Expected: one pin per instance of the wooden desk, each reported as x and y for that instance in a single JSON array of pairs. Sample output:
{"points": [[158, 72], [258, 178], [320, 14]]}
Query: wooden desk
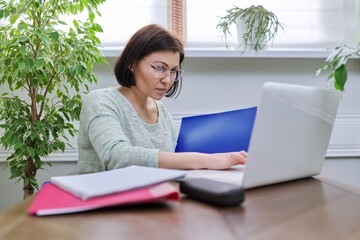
{"points": [[303, 209]]}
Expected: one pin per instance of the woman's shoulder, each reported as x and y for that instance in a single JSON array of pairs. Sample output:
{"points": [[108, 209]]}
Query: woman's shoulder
{"points": [[101, 92], [102, 95], [103, 98]]}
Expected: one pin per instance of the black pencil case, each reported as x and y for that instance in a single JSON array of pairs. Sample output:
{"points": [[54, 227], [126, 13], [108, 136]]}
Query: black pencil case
{"points": [[213, 192]]}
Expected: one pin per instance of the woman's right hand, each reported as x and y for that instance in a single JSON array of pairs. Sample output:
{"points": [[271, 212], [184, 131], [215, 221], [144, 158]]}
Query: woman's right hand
{"points": [[225, 160], [194, 160]]}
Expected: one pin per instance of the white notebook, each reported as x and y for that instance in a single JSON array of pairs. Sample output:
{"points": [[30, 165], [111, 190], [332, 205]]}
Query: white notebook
{"points": [[91, 185]]}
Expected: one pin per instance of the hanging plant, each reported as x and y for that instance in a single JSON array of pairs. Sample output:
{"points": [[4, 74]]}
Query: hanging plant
{"points": [[259, 26]]}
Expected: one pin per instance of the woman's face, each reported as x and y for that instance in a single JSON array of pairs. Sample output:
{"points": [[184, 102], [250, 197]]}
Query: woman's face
{"points": [[148, 82]]}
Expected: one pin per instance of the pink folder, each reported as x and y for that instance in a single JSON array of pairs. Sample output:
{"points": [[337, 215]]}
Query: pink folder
{"points": [[52, 200]]}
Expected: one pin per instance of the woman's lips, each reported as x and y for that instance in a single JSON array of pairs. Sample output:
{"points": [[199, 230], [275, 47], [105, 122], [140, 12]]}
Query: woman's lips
{"points": [[162, 90]]}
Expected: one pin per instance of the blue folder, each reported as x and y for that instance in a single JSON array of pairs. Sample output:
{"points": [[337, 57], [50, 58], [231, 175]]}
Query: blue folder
{"points": [[217, 133]]}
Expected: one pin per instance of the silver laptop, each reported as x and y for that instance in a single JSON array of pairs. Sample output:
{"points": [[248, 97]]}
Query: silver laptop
{"points": [[290, 137]]}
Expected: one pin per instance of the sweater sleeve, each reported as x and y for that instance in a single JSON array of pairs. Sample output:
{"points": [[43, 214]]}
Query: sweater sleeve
{"points": [[104, 127], [114, 149]]}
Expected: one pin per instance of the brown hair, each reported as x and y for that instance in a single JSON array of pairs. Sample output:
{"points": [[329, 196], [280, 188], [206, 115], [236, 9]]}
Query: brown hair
{"points": [[146, 40]]}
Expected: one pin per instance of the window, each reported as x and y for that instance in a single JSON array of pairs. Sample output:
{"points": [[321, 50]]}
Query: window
{"points": [[177, 17], [308, 23], [120, 19]]}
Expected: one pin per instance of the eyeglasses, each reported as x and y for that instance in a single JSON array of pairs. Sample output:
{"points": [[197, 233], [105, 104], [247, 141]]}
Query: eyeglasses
{"points": [[161, 71]]}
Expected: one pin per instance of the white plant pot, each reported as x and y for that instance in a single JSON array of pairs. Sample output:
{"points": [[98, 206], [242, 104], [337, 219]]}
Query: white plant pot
{"points": [[241, 29]]}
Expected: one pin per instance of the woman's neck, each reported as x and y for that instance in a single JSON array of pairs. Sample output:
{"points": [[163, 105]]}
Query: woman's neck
{"points": [[144, 106]]}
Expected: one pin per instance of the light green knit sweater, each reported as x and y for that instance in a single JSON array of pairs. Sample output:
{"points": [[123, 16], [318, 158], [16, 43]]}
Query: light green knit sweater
{"points": [[111, 134]]}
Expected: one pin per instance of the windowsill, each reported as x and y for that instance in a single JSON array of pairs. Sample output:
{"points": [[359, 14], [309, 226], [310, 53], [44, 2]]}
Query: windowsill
{"points": [[112, 52], [267, 53]]}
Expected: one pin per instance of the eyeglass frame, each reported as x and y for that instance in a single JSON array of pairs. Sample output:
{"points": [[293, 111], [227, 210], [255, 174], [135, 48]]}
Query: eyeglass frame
{"points": [[165, 71]]}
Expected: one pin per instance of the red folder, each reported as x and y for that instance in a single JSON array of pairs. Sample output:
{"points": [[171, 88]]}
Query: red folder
{"points": [[52, 200]]}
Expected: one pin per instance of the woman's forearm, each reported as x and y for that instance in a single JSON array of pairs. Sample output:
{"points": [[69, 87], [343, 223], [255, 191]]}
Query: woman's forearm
{"points": [[192, 160]]}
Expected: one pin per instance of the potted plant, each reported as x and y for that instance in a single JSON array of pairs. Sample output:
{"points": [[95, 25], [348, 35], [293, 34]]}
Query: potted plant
{"points": [[256, 26], [45, 69], [336, 65]]}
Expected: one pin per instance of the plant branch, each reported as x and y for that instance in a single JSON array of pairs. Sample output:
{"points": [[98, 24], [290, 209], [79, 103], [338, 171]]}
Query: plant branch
{"points": [[45, 95], [336, 65], [24, 102]]}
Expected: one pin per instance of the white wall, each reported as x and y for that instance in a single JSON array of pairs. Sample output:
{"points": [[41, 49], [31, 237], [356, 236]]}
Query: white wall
{"points": [[220, 84]]}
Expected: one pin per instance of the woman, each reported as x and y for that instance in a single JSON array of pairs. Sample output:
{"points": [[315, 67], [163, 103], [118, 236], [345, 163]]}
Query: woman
{"points": [[129, 125]]}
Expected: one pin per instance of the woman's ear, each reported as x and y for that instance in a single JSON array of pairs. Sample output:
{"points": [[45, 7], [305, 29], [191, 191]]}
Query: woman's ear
{"points": [[131, 67]]}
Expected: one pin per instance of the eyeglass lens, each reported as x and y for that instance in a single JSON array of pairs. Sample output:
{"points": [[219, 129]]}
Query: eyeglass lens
{"points": [[175, 75]]}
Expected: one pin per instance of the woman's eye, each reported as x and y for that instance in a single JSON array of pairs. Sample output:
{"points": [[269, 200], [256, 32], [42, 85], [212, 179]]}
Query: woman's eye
{"points": [[160, 68]]}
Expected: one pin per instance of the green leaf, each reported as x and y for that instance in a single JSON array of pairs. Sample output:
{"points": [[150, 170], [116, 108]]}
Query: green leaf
{"points": [[22, 65], [92, 16], [26, 181], [18, 145], [339, 61], [39, 98], [31, 152], [98, 28], [76, 24], [7, 137], [33, 135], [22, 26], [340, 76], [55, 36], [34, 183], [23, 49], [22, 39]]}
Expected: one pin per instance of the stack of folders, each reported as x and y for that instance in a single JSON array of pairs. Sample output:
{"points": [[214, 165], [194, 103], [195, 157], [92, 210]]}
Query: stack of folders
{"points": [[125, 186], [209, 133]]}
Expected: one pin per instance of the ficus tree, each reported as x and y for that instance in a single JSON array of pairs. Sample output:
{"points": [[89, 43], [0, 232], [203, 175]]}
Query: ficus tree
{"points": [[45, 66]]}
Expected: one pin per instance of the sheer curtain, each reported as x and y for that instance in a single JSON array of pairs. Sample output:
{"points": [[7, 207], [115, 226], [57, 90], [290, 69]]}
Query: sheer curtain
{"points": [[308, 23], [121, 18]]}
